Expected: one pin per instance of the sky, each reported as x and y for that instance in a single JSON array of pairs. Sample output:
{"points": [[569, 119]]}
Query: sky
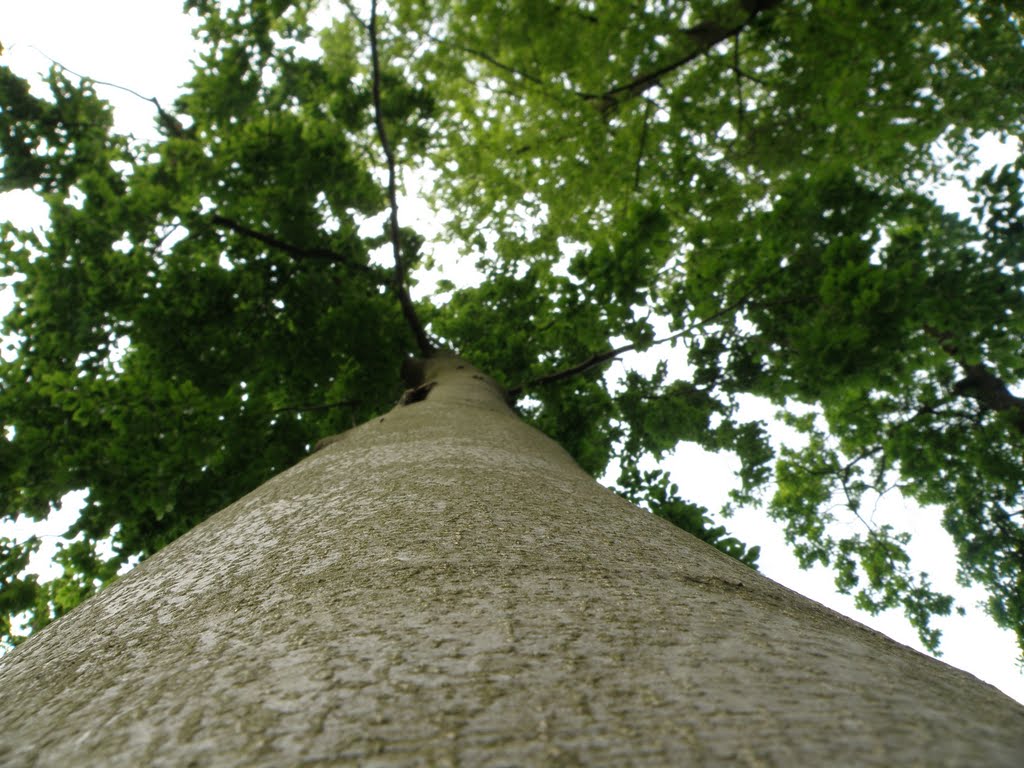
{"points": [[146, 46]]}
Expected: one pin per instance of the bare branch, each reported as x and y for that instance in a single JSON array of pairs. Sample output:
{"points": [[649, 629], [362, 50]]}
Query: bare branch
{"points": [[980, 384], [297, 252], [991, 393], [594, 360], [643, 146], [352, 10], [169, 121], [739, 85], [408, 310], [706, 35], [603, 357], [319, 407], [484, 56], [741, 73]]}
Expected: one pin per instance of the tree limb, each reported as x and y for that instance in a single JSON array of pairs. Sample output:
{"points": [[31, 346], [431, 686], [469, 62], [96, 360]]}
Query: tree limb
{"points": [[352, 10], [484, 56], [706, 35], [643, 147], [979, 383], [318, 407], [586, 365], [991, 392], [741, 73], [167, 120], [426, 347], [739, 85], [295, 251]]}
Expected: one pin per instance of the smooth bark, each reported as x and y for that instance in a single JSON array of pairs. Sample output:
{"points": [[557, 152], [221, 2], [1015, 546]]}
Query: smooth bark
{"points": [[444, 586]]}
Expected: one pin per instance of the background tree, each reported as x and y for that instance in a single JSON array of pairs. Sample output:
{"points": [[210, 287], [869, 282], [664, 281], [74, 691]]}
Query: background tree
{"points": [[744, 179]]}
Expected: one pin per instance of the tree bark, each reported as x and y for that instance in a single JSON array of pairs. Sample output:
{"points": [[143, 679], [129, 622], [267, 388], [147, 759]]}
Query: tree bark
{"points": [[444, 586]]}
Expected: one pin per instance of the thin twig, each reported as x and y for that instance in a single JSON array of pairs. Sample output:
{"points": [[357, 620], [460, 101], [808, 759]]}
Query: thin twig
{"points": [[320, 407], [586, 365], [707, 36], [753, 78], [488, 58], [86, 77], [642, 148], [603, 357], [739, 86], [408, 310], [352, 10], [980, 384], [169, 121], [298, 252]]}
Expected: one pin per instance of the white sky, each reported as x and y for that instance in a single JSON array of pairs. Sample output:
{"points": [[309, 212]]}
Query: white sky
{"points": [[146, 46]]}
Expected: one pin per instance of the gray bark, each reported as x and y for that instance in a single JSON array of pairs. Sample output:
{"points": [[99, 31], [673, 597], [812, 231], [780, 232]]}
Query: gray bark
{"points": [[444, 586]]}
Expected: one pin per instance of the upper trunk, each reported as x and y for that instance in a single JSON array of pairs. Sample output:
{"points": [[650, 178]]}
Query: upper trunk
{"points": [[444, 585]]}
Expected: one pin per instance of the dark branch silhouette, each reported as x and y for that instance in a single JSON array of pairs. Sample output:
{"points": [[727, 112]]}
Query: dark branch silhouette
{"points": [[322, 254], [318, 407], [168, 121], [611, 354], [426, 347], [355, 15], [594, 360], [739, 85], [742, 73], [705, 35], [643, 146], [991, 392], [980, 384], [484, 56]]}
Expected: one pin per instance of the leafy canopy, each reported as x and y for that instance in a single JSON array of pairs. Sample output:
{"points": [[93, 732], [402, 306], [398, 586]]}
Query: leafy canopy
{"points": [[736, 185]]}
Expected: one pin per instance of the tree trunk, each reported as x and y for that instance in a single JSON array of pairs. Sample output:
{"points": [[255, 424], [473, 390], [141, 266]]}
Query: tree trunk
{"points": [[444, 586]]}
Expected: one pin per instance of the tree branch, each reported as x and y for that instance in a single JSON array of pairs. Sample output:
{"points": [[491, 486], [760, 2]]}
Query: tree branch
{"points": [[295, 251], [991, 392], [592, 361], [168, 121], [706, 35], [979, 383], [484, 56], [739, 85], [603, 357], [643, 147], [352, 10], [741, 73], [408, 310], [319, 407]]}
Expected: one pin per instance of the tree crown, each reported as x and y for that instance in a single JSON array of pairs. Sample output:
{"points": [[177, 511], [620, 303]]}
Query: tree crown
{"points": [[740, 187]]}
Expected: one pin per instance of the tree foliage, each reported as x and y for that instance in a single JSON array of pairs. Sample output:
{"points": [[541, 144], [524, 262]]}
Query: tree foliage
{"points": [[740, 187]]}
